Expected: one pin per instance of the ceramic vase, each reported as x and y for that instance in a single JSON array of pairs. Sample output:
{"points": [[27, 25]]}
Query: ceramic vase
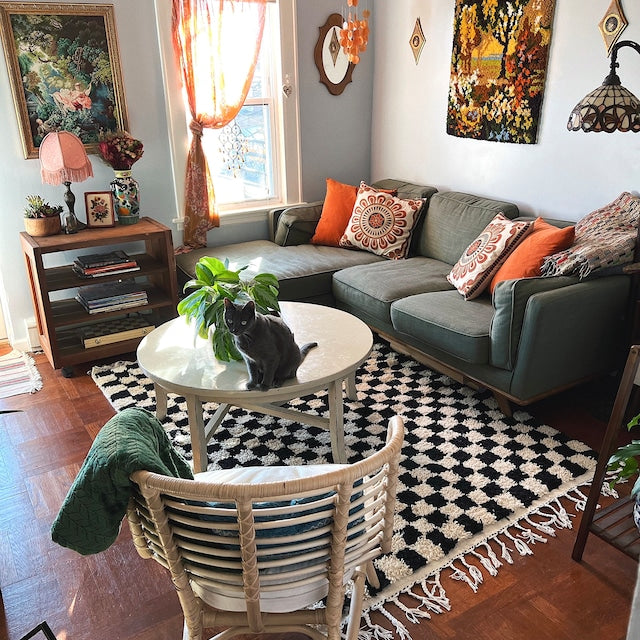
{"points": [[126, 197]]}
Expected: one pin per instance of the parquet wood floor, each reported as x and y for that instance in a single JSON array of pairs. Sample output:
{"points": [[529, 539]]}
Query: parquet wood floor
{"points": [[116, 595]]}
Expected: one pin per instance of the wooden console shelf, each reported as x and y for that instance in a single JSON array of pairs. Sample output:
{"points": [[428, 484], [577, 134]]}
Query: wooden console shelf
{"points": [[60, 318]]}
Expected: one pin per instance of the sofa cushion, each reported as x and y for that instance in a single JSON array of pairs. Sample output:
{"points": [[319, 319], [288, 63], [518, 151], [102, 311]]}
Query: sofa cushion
{"points": [[304, 271], [526, 259], [381, 223], [453, 220], [336, 211], [373, 287], [481, 259], [444, 320], [510, 300]]}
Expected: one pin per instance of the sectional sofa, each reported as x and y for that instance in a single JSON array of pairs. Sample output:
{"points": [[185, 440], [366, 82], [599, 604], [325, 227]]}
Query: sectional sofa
{"points": [[531, 338]]}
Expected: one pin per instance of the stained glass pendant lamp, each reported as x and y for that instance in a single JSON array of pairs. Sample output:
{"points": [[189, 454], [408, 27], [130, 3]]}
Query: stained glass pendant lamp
{"points": [[63, 160], [610, 107]]}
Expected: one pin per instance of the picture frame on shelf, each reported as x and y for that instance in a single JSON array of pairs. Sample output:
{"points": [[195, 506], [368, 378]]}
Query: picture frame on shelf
{"points": [[64, 70], [99, 207]]}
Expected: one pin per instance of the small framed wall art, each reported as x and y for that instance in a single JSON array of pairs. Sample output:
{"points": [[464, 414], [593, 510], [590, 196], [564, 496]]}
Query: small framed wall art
{"points": [[99, 206], [612, 25]]}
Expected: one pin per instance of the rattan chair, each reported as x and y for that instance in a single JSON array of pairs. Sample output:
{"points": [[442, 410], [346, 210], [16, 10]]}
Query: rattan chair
{"points": [[254, 550]]}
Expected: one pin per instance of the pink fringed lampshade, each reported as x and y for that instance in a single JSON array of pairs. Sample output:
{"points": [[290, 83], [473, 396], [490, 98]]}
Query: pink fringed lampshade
{"points": [[63, 160]]}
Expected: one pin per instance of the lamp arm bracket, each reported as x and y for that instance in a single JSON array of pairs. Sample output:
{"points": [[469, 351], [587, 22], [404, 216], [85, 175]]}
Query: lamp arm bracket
{"points": [[616, 47]]}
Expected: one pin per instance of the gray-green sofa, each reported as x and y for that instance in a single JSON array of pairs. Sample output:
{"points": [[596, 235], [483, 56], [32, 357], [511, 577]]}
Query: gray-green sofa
{"points": [[532, 338]]}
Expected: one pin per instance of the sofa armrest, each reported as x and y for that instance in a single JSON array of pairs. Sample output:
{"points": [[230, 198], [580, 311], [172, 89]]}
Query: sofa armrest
{"points": [[510, 300], [572, 334], [294, 225]]}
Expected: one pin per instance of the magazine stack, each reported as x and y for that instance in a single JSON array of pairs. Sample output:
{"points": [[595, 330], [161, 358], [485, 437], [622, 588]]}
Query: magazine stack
{"points": [[104, 264], [112, 296]]}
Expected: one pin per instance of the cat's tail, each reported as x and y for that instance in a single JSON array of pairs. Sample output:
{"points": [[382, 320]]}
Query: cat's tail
{"points": [[305, 348]]}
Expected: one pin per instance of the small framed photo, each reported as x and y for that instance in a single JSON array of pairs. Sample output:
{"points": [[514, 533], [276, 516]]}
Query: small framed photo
{"points": [[99, 205]]}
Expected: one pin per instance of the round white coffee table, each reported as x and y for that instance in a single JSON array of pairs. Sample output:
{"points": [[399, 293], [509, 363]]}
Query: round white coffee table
{"points": [[179, 362]]}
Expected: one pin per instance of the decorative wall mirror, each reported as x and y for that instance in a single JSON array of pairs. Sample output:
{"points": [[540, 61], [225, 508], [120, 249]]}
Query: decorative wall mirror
{"points": [[332, 62]]}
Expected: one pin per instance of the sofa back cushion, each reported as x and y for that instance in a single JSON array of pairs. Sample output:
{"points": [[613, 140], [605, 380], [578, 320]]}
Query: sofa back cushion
{"points": [[454, 220]]}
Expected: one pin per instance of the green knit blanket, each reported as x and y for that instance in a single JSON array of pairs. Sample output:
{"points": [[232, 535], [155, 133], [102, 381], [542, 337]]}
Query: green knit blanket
{"points": [[91, 514]]}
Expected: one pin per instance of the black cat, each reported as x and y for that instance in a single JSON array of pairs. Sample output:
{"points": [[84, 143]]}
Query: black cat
{"points": [[266, 343]]}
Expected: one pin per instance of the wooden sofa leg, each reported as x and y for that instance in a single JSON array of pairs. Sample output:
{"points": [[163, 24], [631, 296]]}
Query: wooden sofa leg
{"points": [[503, 404]]}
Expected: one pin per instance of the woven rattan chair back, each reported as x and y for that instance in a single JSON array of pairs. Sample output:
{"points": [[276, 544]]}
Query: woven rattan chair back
{"points": [[258, 557]]}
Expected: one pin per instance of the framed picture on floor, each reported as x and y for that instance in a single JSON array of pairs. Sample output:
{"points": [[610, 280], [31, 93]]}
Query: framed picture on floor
{"points": [[64, 70], [99, 206]]}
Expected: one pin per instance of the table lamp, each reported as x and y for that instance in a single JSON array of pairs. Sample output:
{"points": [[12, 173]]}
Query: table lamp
{"points": [[610, 107], [63, 159]]}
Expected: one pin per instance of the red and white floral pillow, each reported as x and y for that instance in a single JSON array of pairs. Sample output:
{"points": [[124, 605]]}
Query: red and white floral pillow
{"points": [[381, 223], [481, 259]]}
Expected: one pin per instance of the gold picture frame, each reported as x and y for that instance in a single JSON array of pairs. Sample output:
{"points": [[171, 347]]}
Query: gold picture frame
{"points": [[64, 70]]}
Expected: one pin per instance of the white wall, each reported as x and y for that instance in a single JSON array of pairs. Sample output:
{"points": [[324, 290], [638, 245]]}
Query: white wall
{"points": [[565, 175]]}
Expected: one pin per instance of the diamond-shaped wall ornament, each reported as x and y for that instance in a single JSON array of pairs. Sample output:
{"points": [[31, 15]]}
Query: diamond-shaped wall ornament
{"points": [[612, 25], [417, 40]]}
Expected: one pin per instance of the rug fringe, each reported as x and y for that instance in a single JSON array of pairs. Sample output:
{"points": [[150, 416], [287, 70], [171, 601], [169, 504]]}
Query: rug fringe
{"points": [[535, 527]]}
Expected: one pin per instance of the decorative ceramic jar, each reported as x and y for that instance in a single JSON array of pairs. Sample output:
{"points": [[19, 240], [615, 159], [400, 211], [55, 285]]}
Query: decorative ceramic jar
{"points": [[39, 227], [126, 197]]}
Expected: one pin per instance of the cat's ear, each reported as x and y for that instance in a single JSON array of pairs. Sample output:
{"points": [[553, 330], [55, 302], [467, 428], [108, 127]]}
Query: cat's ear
{"points": [[250, 306], [227, 303]]}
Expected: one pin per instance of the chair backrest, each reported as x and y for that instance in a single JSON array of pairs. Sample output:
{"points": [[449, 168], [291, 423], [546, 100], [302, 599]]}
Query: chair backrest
{"points": [[268, 539]]}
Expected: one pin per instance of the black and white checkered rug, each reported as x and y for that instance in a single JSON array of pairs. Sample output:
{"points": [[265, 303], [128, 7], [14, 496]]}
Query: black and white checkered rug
{"points": [[476, 487]]}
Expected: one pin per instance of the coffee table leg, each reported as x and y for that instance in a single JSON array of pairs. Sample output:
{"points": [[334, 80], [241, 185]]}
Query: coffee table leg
{"points": [[336, 422], [161, 401], [196, 430], [350, 382]]}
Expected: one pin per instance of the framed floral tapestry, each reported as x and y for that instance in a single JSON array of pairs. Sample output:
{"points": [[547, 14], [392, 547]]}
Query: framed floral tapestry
{"points": [[498, 69], [64, 70]]}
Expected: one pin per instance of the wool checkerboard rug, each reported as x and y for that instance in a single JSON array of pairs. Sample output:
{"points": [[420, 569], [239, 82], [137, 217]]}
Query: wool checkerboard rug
{"points": [[476, 488]]}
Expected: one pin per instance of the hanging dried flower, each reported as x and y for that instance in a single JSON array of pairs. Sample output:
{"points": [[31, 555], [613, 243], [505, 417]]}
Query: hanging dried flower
{"points": [[120, 150]]}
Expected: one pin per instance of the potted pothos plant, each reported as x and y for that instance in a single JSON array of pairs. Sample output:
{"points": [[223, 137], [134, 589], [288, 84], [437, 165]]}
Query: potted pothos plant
{"points": [[204, 306], [623, 464]]}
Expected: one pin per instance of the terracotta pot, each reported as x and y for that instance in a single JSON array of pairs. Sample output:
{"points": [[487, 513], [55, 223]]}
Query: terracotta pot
{"points": [[42, 226]]}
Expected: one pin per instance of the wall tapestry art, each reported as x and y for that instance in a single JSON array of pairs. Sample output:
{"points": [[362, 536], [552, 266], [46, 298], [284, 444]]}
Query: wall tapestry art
{"points": [[498, 68]]}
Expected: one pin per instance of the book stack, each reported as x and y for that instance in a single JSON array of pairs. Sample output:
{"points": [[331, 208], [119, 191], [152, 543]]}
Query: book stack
{"points": [[114, 296], [103, 264]]}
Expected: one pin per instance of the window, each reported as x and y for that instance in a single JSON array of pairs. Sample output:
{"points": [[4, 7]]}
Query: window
{"points": [[244, 156], [265, 131]]}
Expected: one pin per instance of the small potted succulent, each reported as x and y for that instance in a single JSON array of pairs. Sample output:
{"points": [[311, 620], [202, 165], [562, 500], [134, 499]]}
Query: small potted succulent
{"points": [[40, 218], [623, 464], [205, 304]]}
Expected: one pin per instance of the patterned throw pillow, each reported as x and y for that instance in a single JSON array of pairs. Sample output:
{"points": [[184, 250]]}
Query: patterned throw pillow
{"points": [[604, 238], [381, 223], [482, 258]]}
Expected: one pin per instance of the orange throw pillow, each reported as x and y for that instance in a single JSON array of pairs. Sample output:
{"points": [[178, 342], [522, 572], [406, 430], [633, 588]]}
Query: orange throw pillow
{"points": [[527, 257], [336, 212]]}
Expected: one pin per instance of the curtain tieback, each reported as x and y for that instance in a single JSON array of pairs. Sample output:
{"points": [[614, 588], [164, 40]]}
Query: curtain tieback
{"points": [[196, 128]]}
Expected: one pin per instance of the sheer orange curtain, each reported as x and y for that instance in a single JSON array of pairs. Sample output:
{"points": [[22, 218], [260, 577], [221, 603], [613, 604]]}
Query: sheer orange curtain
{"points": [[217, 43]]}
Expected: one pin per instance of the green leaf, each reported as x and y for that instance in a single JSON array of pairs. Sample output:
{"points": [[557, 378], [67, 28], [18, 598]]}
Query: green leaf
{"points": [[267, 279], [633, 422]]}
